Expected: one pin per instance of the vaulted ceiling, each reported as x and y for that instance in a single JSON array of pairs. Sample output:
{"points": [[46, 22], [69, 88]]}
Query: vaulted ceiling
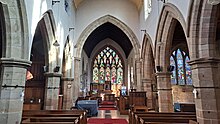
{"points": [[136, 2]]}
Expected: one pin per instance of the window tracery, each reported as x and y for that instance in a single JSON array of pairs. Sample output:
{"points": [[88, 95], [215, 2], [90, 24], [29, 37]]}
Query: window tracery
{"points": [[108, 66], [181, 74]]}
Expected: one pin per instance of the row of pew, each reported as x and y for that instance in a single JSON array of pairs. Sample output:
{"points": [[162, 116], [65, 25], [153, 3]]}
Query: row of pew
{"points": [[54, 117], [140, 117]]}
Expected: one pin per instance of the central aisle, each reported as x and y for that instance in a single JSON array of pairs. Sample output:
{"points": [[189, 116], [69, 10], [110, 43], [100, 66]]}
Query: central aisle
{"points": [[109, 114]]}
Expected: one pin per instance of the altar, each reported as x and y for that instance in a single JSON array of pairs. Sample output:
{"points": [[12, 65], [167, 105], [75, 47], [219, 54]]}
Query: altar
{"points": [[90, 105]]}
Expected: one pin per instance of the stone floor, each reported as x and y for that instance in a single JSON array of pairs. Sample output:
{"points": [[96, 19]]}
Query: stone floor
{"points": [[110, 114]]}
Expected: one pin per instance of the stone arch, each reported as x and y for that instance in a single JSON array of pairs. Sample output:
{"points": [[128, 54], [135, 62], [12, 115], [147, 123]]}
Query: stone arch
{"points": [[14, 59], [169, 16], [147, 55], [48, 29], [3, 29], [108, 18], [66, 57], [88, 30], [20, 27], [67, 80], [205, 60], [202, 29], [148, 69]]}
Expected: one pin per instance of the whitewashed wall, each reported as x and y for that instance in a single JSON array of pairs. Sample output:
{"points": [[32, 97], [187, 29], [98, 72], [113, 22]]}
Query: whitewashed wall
{"points": [[63, 19], [151, 23], [90, 10]]}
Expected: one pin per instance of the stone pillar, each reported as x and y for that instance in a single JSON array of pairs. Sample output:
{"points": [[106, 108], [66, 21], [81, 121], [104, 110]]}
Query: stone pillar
{"points": [[147, 86], [206, 84], [13, 77], [138, 75], [164, 92], [52, 90], [76, 79], [67, 92]]}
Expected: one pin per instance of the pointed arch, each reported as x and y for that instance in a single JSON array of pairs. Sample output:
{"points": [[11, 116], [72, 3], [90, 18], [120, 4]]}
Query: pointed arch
{"points": [[170, 15], [202, 31], [48, 28], [148, 69], [147, 56], [21, 28], [67, 54], [2, 30], [108, 18]]}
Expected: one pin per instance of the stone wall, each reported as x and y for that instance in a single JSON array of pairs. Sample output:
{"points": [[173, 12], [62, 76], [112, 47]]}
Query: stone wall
{"points": [[182, 94]]}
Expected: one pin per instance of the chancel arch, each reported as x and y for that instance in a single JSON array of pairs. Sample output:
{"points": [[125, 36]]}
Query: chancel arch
{"points": [[126, 39], [108, 65]]}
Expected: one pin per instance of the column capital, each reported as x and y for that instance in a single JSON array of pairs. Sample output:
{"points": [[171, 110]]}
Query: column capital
{"points": [[204, 61], [146, 80], [51, 74], [77, 58], [14, 62], [67, 79], [163, 74]]}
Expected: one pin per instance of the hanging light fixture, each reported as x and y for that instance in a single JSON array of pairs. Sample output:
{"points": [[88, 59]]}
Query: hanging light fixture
{"points": [[56, 44]]}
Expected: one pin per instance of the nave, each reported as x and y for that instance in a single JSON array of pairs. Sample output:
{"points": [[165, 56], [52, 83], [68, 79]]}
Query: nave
{"points": [[108, 116]]}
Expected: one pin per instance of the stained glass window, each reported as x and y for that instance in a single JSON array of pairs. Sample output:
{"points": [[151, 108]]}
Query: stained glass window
{"points": [[188, 72], [181, 75], [108, 67], [173, 76]]}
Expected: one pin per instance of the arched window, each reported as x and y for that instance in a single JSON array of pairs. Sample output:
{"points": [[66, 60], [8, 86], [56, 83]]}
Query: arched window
{"points": [[107, 66], [181, 74], [147, 8]]}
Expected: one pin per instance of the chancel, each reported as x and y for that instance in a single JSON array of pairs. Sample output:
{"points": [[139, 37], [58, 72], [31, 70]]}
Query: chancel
{"points": [[109, 61]]}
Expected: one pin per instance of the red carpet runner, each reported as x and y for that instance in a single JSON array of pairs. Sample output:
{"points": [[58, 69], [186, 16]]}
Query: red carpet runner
{"points": [[107, 121]]}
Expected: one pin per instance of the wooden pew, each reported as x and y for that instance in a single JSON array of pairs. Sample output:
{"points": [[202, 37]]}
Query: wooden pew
{"points": [[76, 117], [134, 117], [56, 113], [161, 120], [187, 107], [193, 122], [168, 115], [50, 113], [74, 120]]}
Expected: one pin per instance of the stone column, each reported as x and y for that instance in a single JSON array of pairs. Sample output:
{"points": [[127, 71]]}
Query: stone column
{"points": [[76, 79], [205, 76], [67, 92], [147, 86], [164, 92], [52, 90], [138, 75], [13, 77]]}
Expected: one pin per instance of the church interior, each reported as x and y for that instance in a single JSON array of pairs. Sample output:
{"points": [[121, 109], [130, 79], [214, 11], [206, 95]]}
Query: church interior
{"points": [[109, 61]]}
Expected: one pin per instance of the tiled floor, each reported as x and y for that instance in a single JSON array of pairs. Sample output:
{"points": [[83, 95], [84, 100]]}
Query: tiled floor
{"points": [[110, 114]]}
